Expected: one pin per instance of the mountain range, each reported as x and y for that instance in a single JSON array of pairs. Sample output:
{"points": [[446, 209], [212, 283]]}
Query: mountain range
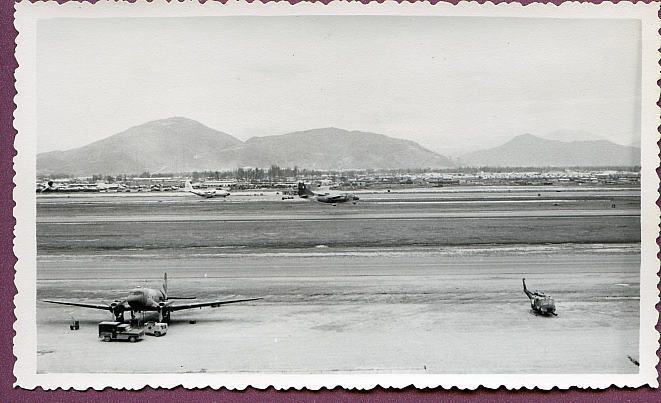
{"points": [[183, 145], [528, 150]]}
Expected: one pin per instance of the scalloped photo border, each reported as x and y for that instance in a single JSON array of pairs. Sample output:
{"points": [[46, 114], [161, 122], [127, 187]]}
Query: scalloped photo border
{"points": [[25, 341]]}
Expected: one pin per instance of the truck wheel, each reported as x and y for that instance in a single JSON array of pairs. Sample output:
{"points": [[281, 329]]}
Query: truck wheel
{"points": [[132, 339], [106, 338], [157, 334]]}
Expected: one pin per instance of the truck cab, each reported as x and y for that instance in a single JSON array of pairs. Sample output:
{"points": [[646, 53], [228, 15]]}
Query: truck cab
{"points": [[109, 331]]}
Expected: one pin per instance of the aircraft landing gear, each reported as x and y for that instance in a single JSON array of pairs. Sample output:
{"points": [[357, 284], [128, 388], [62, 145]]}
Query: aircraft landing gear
{"points": [[164, 316]]}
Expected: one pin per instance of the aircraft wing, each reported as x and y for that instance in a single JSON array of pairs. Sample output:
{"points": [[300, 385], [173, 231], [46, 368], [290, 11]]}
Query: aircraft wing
{"points": [[212, 304], [105, 307]]}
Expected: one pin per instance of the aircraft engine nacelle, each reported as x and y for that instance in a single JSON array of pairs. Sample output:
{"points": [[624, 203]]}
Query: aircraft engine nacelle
{"points": [[116, 306], [117, 309]]}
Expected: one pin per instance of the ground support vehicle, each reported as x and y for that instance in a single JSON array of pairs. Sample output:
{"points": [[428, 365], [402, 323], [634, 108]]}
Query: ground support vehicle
{"points": [[109, 331], [156, 328]]}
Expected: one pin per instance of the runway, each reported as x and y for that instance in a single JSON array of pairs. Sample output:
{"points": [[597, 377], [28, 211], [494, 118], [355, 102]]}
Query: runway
{"points": [[348, 216], [408, 312], [380, 287]]}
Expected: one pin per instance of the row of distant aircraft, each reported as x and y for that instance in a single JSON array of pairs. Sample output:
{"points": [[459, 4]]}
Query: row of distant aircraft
{"points": [[323, 195], [304, 192], [50, 186]]}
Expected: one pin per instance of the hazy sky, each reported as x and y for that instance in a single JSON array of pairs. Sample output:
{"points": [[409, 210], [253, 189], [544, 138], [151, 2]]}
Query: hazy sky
{"points": [[448, 83]]}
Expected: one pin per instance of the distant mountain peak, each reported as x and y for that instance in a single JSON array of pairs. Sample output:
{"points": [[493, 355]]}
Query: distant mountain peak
{"points": [[173, 144], [534, 151], [172, 121], [324, 131], [334, 148], [569, 136], [175, 120], [171, 126], [527, 138]]}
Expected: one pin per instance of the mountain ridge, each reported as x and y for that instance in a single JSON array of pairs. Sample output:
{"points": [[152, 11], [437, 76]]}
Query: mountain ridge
{"points": [[334, 148], [179, 144]]}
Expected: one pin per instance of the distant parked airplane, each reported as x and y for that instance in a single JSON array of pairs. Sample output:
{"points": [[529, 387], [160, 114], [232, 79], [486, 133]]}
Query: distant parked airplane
{"points": [[208, 193], [47, 187], [149, 300], [304, 192]]}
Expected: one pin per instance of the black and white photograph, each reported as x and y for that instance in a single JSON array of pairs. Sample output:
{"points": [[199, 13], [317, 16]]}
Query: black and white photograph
{"points": [[283, 195]]}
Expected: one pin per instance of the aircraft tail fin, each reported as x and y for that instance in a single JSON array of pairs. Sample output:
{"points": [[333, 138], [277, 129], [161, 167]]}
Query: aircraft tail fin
{"points": [[304, 190], [188, 186]]}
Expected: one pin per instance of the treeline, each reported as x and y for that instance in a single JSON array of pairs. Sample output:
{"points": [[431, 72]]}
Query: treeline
{"points": [[277, 173], [250, 174]]}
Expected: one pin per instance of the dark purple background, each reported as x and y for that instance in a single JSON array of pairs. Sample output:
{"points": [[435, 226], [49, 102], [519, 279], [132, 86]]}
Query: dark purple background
{"points": [[7, 291]]}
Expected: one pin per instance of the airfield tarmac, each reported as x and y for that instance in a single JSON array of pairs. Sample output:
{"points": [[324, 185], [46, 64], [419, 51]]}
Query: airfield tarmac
{"points": [[398, 283]]}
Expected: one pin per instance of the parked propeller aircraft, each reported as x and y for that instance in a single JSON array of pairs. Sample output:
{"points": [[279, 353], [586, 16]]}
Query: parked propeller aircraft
{"points": [[149, 300], [305, 192], [208, 193], [49, 186]]}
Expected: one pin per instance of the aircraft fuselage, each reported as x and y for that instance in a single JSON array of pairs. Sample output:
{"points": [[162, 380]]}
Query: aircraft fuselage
{"points": [[305, 192], [211, 193], [145, 299], [343, 198]]}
